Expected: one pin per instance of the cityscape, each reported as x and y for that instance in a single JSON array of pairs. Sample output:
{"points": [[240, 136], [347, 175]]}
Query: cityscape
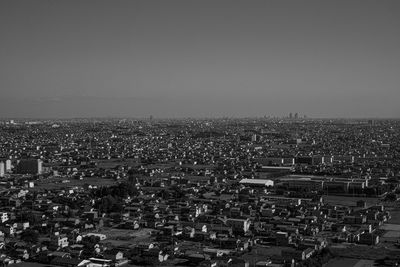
{"points": [[205, 192], [199, 133]]}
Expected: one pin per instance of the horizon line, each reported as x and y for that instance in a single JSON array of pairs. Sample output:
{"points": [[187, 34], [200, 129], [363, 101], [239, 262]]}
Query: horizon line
{"points": [[152, 117]]}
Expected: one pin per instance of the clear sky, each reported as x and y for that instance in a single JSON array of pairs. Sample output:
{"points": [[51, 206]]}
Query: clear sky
{"points": [[204, 58]]}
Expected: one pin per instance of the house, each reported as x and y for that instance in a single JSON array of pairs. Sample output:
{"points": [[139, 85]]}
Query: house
{"points": [[23, 226], [222, 230], [76, 250], [114, 255], [60, 240], [369, 239], [22, 253], [283, 238], [101, 236], [317, 243], [3, 217], [239, 225], [8, 230]]}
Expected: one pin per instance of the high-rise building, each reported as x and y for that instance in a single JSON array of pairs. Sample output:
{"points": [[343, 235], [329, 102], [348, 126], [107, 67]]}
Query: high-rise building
{"points": [[29, 166], [40, 166], [296, 116], [2, 169], [8, 165]]}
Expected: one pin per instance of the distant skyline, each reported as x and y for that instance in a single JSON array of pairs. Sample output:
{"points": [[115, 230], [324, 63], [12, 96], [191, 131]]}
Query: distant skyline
{"points": [[204, 58]]}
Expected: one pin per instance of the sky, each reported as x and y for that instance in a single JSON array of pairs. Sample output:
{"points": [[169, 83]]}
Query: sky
{"points": [[203, 58]]}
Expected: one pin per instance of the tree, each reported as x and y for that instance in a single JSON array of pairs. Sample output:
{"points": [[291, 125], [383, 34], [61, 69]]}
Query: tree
{"points": [[88, 243], [29, 217], [30, 236]]}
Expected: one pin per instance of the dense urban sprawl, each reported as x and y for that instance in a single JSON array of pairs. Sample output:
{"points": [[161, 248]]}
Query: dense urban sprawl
{"points": [[204, 192]]}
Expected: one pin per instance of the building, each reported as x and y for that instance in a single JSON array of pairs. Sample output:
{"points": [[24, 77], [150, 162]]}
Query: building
{"points": [[257, 182], [8, 165], [100, 236], [296, 184], [369, 239], [3, 217], [343, 159], [97, 262], [29, 166], [2, 169], [239, 225], [304, 160], [282, 238], [298, 255]]}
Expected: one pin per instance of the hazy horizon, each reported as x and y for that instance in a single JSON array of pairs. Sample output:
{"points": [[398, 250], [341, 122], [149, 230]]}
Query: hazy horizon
{"points": [[179, 59]]}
